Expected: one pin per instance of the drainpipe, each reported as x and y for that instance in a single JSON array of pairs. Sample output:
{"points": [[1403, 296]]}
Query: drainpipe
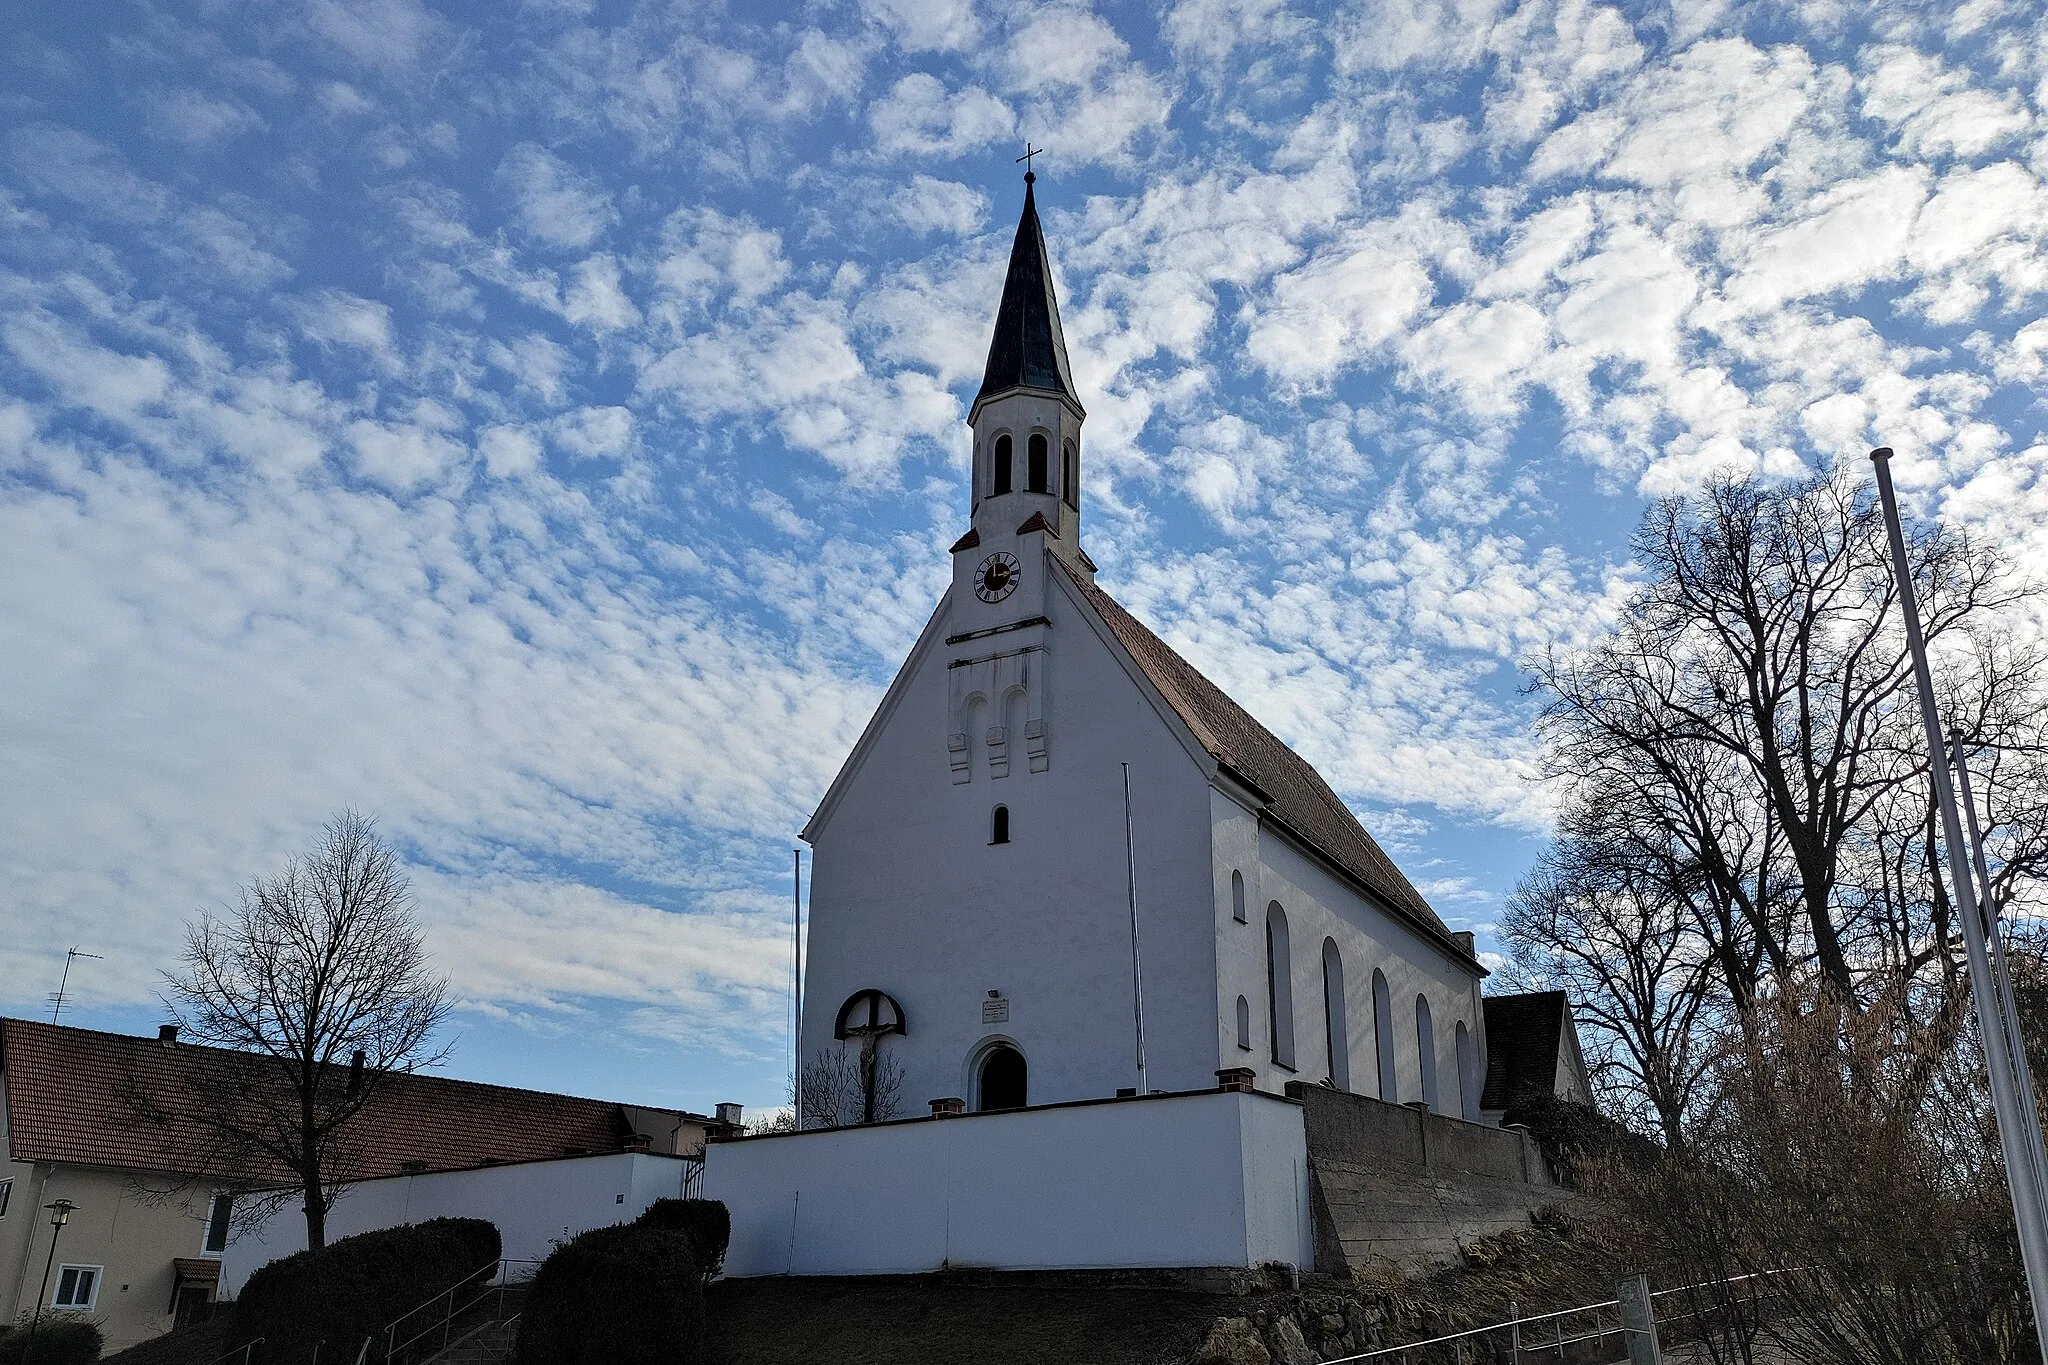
{"points": [[28, 1251]]}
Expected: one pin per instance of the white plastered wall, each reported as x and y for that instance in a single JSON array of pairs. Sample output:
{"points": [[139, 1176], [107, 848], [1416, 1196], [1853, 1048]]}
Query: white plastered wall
{"points": [[1216, 1179], [910, 898], [1318, 905]]}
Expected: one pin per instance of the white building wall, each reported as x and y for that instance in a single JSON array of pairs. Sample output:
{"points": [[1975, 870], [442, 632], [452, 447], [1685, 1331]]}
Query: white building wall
{"points": [[910, 897], [1319, 906], [533, 1203], [1216, 1179]]}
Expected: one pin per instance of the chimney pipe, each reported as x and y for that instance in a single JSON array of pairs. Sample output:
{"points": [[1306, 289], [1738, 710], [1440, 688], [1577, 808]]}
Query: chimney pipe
{"points": [[355, 1073], [167, 1034]]}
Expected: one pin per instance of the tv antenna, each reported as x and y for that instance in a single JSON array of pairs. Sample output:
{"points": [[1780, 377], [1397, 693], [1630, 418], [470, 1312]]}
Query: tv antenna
{"points": [[64, 982]]}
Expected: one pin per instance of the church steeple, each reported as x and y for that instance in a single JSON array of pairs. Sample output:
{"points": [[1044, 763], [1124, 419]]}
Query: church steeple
{"points": [[1027, 350], [1027, 418]]}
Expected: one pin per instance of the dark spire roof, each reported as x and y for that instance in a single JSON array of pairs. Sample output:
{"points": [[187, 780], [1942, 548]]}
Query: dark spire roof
{"points": [[1027, 350]]}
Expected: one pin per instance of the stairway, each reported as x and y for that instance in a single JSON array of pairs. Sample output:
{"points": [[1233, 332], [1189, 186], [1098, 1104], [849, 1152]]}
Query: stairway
{"points": [[491, 1342]]}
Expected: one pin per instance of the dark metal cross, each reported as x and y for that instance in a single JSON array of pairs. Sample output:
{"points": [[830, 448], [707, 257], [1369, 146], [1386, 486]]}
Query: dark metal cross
{"points": [[1029, 152]]}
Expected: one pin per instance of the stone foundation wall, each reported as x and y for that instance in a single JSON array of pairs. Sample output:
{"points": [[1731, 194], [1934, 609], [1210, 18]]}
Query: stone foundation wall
{"points": [[1393, 1184]]}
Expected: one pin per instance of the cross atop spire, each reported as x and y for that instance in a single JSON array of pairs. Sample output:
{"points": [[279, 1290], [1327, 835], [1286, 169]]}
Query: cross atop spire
{"points": [[1029, 152], [1027, 350]]}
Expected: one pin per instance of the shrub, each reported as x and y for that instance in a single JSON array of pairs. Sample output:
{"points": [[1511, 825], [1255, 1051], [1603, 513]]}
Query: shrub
{"points": [[352, 1288], [63, 1340], [626, 1295], [704, 1221], [1572, 1134]]}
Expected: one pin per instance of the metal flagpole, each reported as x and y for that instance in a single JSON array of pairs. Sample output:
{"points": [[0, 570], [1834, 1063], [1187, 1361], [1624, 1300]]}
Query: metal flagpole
{"points": [[1137, 961], [2023, 1076], [2020, 1164]]}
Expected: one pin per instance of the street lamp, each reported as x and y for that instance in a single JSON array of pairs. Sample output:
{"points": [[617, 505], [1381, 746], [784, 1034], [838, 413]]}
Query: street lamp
{"points": [[60, 1214]]}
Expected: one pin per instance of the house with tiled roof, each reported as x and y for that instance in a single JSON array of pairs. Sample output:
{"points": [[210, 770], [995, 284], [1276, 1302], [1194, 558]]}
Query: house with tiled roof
{"points": [[82, 1119], [1535, 1052]]}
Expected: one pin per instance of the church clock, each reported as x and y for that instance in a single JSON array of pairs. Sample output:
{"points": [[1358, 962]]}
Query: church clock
{"points": [[997, 577]]}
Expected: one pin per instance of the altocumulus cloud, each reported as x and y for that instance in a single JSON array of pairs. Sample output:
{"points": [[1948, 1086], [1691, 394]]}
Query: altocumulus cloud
{"points": [[544, 429]]}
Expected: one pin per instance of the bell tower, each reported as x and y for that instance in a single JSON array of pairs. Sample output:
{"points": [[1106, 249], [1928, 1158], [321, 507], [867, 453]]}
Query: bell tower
{"points": [[1027, 428]]}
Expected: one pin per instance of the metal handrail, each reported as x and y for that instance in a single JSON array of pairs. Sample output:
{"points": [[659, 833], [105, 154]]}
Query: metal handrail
{"points": [[243, 1351], [498, 1280], [1561, 1341]]}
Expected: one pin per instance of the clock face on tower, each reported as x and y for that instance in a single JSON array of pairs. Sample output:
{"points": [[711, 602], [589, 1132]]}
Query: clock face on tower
{"points": [[996, 578]]}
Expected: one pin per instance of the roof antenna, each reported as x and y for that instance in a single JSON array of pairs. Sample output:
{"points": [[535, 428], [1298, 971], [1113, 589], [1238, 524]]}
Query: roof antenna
{"points": [[1029, 152], [57, 1000]]}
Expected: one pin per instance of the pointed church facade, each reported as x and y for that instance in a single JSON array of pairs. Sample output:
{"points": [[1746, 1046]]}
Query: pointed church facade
{"points": [[1042, 766]]}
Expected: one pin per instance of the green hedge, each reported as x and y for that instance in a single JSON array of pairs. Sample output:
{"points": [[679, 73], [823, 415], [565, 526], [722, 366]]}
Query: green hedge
{"points": [[704, 1221], [352, 1288], [65, 1340], [627, 1295]]}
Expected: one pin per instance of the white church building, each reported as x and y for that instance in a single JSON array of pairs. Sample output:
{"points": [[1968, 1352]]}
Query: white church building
{"points": [[1067, 888]]}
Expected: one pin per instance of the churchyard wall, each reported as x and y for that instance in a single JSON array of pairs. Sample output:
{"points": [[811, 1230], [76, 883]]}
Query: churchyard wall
{"points": [[533, 1203], [1394, 1183], [1191, 1180]]}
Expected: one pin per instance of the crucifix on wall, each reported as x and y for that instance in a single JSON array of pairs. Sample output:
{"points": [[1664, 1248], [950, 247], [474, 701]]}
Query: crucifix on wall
{"points": [[868, 1016]]}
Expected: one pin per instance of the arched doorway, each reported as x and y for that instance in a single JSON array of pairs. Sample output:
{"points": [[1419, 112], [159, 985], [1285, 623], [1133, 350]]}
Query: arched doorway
{"points": [[1002, 1078]]}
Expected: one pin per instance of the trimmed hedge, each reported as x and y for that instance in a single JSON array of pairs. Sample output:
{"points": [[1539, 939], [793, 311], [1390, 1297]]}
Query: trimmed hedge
{"points": [[65, 1340], [704, 1221], [625, 1295], [352, 1288]]}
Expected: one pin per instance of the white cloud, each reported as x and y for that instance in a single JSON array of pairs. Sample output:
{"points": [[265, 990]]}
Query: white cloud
{"points": [[597, 299], [928, 25], [919, 117], [195, 118], [557, 205], [928, 205]]}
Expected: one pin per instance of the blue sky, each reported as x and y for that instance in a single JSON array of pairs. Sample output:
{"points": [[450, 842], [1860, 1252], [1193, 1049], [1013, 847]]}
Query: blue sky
{"points": [[541, 425]]}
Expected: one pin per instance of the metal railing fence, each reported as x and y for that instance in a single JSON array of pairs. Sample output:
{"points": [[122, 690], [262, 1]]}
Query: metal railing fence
{"points": [[405, 1335], [1552, 1336]]}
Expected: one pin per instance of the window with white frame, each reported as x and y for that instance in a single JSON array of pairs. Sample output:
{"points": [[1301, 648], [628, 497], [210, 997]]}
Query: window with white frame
{"points": [[6, 1196], [217, 1224], [77, 1286]]}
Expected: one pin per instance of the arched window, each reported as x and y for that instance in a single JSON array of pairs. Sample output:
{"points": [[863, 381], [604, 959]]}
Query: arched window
{"points": [[1070, 476], [1335, 1035], [1034, 468], [1244, 1023], [1237, 897], [1383, 1036], [1002, 1079], [999, 825], [1002, 484], [1280, 985], [1468, 1075], [1425, 1050]]}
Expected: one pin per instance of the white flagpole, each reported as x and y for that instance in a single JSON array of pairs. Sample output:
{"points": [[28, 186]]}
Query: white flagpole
{"points": [[1137, 961], [2020, 1162], [2023, 1075]]}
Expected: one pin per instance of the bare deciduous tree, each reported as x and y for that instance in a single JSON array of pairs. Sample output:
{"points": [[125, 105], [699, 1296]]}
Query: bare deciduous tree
{"points": [[843, 1086], [1747, 803], [309, 995]]}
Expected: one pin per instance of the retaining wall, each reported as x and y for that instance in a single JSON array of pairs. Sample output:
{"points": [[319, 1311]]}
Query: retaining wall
{"points": [[1392, 1183]]}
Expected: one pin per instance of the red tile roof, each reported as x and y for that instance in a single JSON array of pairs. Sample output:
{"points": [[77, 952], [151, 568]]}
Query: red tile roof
{"points": [[1301, 801], [72, 1097]]}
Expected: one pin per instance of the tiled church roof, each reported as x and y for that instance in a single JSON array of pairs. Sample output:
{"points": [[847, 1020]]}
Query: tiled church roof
{"points": [[72, 1096], [1301, 800]]}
